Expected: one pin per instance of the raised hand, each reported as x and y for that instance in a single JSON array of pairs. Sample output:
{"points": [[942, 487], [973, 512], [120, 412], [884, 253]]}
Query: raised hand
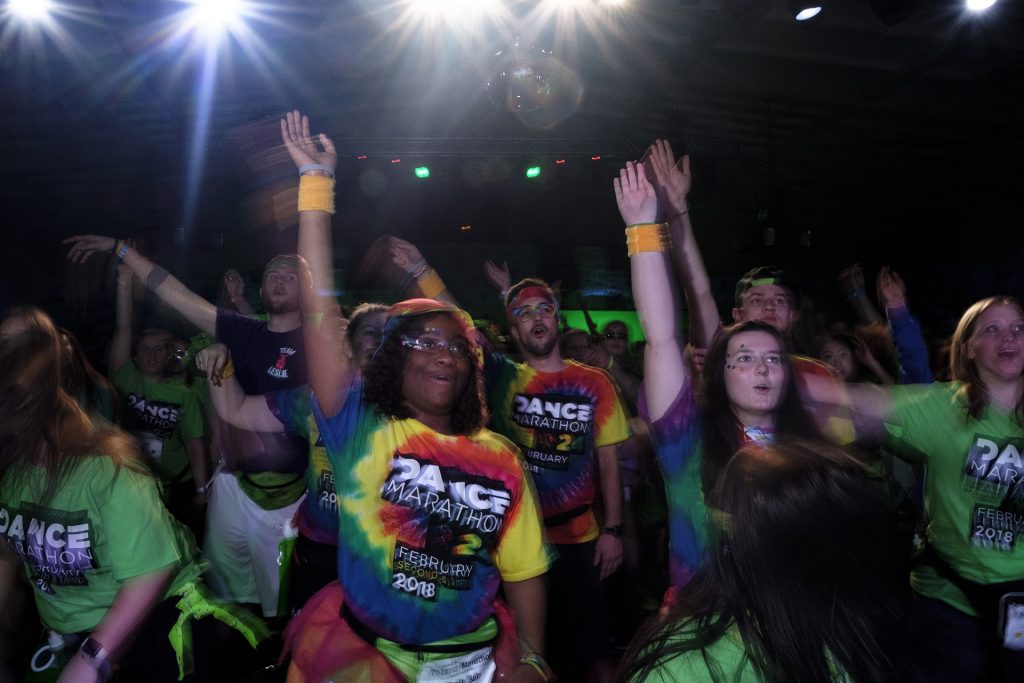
{"points": [[212, 360], [892, 293], [671, 178], [851, 278], [406, 255], [635, 195], [84, 246], [499, 276], [301, 146], [233, 284]]}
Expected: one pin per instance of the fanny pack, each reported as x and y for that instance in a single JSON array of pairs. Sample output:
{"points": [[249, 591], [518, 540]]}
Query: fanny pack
{"points": [[1000, 606]]}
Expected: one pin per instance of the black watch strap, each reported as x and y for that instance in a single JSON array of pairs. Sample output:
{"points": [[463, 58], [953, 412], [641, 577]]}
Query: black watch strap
{"points": [[615, 531]]}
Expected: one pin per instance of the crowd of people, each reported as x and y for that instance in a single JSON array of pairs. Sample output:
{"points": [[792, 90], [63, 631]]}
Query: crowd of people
{"points": [[391, 491]]}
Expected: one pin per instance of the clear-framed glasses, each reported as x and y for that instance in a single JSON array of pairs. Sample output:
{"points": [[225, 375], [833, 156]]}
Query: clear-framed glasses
{"points": [[528, 314], [434, 346]]}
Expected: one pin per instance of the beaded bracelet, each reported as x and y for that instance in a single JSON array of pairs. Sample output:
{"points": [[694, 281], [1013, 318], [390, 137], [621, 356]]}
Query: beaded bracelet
{"points": [[537, 663]]}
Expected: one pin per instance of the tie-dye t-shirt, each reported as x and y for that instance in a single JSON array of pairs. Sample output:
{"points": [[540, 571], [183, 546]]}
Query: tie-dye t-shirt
{"points": [[558, 419], [429, 524], [678, 441], [317, 517]]}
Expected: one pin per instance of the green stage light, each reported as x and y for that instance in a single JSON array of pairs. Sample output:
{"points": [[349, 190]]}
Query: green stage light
{"points": [[422, 172], [533, 172]]}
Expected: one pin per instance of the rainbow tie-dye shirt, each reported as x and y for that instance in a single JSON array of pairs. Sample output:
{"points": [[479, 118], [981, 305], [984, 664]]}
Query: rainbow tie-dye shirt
{"points": [[558, 420], [678, 441], [428, 524]]}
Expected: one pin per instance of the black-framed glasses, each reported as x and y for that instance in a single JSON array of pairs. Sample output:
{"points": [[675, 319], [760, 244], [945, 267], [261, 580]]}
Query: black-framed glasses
{"points": [[434, 346], [528, 314]]}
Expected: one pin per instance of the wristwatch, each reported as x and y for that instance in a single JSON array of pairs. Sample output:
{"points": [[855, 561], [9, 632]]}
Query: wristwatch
{"points": [[96, 654], [615, 531]]}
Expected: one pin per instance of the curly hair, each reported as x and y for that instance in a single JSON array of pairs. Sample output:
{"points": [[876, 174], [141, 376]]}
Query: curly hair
{"points": [[383, 380]]}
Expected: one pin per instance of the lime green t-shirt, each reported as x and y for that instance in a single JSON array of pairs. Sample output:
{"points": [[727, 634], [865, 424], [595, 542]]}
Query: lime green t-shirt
{"points": [[105, 525], [162, 416], [727, 657], [974, 498]]}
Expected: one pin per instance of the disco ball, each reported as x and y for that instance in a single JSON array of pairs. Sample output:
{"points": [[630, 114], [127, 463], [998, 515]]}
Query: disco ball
{"points": [[534, 85]]}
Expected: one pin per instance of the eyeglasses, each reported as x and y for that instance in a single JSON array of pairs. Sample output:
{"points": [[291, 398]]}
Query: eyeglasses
{"points": [[527, 314], [434, 346], [616, 335]]}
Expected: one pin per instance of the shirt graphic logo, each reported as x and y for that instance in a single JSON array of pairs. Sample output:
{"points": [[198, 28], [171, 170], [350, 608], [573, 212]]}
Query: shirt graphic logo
{"points": [[461, 514], [279, 369], [55, 544], [993, 465], [158, 417], [559, 426]]}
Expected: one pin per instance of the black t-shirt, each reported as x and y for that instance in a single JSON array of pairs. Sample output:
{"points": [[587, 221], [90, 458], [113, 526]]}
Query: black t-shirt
{"points": [[264, 361]]}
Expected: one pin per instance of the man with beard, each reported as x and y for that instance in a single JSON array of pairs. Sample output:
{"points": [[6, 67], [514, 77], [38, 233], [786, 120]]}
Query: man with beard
{"points": [[567, 418], [261, 479]]}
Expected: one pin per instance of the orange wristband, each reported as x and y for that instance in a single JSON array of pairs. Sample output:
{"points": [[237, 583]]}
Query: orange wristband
{"points": [[316, 193], [431, 284], [646, 237]]}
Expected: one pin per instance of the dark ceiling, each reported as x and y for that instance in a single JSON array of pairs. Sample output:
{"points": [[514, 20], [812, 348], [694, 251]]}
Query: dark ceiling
{"points": [[854, 138]]}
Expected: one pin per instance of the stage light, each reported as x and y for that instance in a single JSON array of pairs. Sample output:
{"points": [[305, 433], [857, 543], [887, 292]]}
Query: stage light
{"points": [[215, 16], [421, 172], [31, 10], [979, 5], [533, 172], [802, 10]]}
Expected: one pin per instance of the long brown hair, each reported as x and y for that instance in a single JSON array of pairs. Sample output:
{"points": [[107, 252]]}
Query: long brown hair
{"points": [[964, 369], [43, 425]]}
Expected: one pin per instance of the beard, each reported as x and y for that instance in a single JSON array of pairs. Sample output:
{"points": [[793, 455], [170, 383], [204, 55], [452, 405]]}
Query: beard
{"points": [[280, 306], [537, 347]]}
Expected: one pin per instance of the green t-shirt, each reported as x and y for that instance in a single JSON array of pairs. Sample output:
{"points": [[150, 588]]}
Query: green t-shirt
{"points": [[974, 498], [727, 655], [162, 416], [104, 525]]}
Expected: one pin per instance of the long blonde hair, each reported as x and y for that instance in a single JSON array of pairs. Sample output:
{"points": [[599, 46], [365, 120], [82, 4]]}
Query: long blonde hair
{"points": [[965, 369]]}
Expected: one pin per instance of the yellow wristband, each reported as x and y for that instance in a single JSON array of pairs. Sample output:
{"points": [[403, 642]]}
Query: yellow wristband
{"points": [[431, 283], [646, 237], [228, 371], [316, 193]]}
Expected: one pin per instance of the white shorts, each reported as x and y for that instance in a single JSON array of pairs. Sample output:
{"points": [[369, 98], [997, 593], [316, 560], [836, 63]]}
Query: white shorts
{"points": [[242, 545]]}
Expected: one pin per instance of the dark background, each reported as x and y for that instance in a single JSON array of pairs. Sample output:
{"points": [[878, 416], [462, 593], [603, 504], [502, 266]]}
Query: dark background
{"points": [[864, 136]]}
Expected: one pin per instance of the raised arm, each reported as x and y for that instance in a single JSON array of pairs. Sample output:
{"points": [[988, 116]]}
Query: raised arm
{"points": [[232, 404], [911, 350], [672, 180], [851, 281], [121, 343], [408, 257], [171, 291], [654, 295], [330, 369], [234, 292]]}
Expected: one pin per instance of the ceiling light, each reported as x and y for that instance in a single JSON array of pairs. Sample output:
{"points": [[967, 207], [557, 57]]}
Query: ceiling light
{"points": [[802, 10], [979, 5]]}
